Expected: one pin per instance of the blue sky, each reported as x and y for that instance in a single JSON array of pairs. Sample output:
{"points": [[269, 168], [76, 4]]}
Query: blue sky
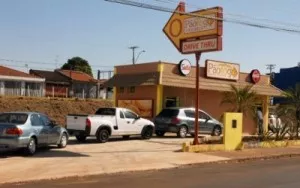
{"points": [[99, 31]]}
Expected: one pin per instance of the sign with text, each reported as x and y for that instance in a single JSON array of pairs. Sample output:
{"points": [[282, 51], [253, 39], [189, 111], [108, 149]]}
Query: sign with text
{"points": [[201, 23], [185, 67], [222, 70], [203, 45]]}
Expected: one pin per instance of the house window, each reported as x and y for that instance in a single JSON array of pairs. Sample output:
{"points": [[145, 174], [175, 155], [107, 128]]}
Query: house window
{"points": [[172, 102], [121, 90], [131, 89]]}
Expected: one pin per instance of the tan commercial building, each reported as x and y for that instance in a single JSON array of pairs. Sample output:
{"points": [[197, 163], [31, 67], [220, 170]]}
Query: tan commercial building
{"points": [[149, 87]]}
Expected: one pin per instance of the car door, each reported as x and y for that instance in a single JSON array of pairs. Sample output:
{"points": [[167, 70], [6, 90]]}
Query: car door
{"points": [[122, 124], [53, 130], [205, 123], [190, 119], [134, 123], [39, 129]]}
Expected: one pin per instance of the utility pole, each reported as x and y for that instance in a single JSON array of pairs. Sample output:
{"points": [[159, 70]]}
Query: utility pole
{"points": [[271, 67], [56, 61], [133, 53]]}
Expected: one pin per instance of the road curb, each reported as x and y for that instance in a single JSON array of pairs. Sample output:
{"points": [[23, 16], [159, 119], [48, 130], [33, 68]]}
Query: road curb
{"points": [[236, 160], [254, 158]]}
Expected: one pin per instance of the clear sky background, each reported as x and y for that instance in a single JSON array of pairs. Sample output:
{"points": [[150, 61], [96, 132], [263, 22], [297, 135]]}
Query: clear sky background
{"points": [[99, 31]]}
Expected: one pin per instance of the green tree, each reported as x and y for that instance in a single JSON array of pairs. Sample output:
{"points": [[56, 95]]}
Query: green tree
{"points": [[78, 64], [242, 99], [292, 105]]}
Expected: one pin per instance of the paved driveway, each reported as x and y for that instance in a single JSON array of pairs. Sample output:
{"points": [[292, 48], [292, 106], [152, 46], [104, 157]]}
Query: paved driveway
{"points": [[94, 158]]}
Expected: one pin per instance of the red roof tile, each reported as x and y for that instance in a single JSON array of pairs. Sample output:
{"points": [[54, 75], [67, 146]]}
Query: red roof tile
{"points": [[78, 76], [5, 71]]}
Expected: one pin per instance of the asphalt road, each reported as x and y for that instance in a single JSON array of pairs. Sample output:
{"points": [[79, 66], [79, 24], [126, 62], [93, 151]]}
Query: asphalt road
{"points": [[275, 173]]}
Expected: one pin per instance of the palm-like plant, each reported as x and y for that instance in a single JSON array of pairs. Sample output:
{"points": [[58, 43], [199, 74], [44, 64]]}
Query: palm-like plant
{"points": [[242, 99], [293, 104]]}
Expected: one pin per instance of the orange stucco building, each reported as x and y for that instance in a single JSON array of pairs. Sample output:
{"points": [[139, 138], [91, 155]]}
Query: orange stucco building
{"points": [[163, 85]]}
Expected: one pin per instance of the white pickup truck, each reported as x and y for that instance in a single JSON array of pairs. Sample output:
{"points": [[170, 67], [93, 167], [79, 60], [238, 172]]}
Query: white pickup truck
{"points": [[108, 122]]}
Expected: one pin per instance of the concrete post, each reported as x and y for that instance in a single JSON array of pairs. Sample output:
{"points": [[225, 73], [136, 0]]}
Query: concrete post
{"points": [[22, 88], [266, 112], [2, 85]]}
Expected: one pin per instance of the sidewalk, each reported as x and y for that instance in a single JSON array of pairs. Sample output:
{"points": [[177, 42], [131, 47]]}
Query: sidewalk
{"points": [[115, 156]]}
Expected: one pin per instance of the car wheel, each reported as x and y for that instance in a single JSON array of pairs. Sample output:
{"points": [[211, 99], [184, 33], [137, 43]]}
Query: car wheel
{"points": [[126, 137], [63, 141], [160, 133], [182, 132], [217, 131], [147, 133], [31, 147], [103, 136], [80, 138]]}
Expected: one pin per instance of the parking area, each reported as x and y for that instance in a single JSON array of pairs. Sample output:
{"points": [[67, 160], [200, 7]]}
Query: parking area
{"points": [[80, 159]]}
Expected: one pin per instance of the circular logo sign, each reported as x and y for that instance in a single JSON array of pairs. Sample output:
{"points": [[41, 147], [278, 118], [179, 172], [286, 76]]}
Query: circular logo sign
{"points": [[255, 76], [185, 67], [175, 28]]}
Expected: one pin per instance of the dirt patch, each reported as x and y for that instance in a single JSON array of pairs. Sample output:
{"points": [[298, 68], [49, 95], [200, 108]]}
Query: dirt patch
{"points": [[56, 108]]}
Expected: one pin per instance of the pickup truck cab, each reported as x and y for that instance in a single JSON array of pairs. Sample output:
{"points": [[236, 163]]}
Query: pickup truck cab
{"points": [[108, 122]]}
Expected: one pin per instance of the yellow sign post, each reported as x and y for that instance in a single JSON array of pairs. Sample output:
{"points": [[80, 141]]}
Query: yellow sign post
{"points": [[196, 32]]}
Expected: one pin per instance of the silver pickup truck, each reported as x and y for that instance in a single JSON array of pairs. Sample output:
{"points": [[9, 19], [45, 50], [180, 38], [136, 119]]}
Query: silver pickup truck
{"points": [[108, 122]]}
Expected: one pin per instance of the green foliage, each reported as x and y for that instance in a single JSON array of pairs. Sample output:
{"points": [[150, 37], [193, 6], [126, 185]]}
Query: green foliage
{"points": [[292, 107], [281, 133], [78, 64], [242, 99]]}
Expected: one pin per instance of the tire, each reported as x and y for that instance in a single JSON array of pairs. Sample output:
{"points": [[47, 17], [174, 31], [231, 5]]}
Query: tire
{"points": [[31, 147], [80, 138], [102, 135], [63, 141], [182, 132], [217, 131], [160, 133], [147, 133], [126, 137]]}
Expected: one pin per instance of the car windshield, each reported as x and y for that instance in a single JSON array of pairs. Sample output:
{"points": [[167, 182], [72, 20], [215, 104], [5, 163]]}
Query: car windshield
{"points": [[13, 118], [106, 111], [168, 113]]}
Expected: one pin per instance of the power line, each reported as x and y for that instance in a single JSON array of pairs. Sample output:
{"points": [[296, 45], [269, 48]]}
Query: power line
{"points": [[236, 15], [44, 63], [235, 21]]}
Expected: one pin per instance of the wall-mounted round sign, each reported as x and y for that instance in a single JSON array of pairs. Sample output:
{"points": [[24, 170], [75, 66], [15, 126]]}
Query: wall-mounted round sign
{"points": [[185, 67], [255, 76]]}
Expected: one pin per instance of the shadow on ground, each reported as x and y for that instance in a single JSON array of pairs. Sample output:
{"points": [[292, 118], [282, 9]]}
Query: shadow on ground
{"points": [[92, 140], [48, 152]]}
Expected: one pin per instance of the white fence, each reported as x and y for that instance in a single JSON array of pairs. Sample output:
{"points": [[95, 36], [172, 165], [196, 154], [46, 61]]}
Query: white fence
{"points": [[18, 88]]}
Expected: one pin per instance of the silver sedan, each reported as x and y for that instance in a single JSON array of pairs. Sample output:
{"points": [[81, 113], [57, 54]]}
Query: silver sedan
{"points": [[29, 130]]}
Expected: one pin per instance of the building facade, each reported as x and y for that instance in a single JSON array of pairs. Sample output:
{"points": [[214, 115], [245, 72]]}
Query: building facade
{"points": [[17, 83], [149, 87], [68, 83], [285, 79]]}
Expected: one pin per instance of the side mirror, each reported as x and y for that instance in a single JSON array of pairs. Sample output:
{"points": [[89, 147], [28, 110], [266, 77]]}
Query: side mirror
{"points": [[52, 123], [138, 117]]}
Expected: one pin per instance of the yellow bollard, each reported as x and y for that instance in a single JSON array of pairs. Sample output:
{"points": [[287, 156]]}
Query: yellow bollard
{"points": [[233, 124]]}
